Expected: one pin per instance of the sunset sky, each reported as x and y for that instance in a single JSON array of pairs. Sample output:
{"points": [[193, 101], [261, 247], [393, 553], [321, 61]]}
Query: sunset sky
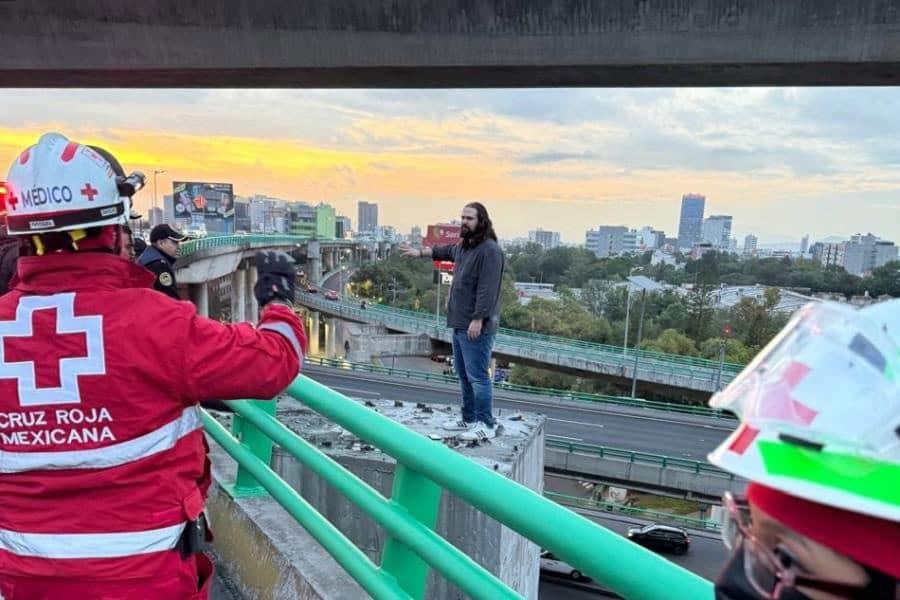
{"points": [[783, 162]]}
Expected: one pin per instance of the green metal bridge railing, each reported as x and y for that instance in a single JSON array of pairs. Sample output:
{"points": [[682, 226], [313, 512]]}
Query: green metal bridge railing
{"points": [[220, 241], [670, 364], [674, 407], [424, 468], [657, 460]]}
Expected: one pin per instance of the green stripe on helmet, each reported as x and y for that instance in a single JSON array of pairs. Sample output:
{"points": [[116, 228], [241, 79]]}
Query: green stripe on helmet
{"points": [[860, 476]]}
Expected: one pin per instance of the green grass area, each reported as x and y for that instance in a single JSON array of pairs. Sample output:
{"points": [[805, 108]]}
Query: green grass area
{"points": [[664, 503]]}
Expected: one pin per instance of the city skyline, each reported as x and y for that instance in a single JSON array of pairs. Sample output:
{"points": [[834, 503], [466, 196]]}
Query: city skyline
{"points": [[783, 162]]}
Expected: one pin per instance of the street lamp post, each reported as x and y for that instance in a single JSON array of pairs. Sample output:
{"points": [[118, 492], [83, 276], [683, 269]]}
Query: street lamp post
{"points": [[638, 343], [627, 315], [155, 174]]}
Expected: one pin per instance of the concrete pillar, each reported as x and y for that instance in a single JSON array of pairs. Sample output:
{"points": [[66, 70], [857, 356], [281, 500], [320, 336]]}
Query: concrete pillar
{"points": [[314, 263], [239, 297], [312, 333], [252, 309], [330, 337], [201, 299]]}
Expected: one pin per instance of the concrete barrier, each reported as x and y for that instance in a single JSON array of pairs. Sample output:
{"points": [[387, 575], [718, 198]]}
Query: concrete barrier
{"points": [[264, 551], [669, 477]]}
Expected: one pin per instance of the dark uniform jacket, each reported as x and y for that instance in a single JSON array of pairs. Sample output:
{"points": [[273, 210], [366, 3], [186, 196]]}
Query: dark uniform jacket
{"points": [[163, 266]]}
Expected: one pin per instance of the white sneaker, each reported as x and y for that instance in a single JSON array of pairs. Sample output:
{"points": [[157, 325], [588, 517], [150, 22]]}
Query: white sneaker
{"points": [[456, 425], [480, 432]]}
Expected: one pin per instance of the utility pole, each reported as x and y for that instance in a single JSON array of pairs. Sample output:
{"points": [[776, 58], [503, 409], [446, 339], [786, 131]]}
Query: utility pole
{"points": [[627, 315], [726, 333], [437, 299], [637, 345]]}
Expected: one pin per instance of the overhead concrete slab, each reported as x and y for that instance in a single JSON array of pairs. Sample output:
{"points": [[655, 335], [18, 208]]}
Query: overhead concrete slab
{"points": [[448, 43]]}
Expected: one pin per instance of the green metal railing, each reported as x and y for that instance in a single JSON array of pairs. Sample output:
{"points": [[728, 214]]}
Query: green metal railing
{"points": [[424, 468], [255, 239], [696, 369], [673, 407], [633, 511], [659, 460]]}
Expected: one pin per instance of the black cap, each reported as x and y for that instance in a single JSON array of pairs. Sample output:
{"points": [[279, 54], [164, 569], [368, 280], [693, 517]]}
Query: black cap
{"points": [[163, 231]]}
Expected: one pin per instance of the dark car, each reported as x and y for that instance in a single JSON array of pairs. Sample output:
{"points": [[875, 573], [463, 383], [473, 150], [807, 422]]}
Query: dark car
{"points": [[661, 537], [331, 295], [312, 289]]}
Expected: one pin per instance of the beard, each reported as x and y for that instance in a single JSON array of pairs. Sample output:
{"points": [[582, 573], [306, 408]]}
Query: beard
{"points": [[466, 232]]}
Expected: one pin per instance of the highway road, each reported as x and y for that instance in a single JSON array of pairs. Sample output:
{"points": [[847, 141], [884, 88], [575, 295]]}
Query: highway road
{"points": [[706, 558], [684, 436]]}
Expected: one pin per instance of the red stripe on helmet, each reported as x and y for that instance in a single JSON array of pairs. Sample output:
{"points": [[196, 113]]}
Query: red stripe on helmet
{"points": [[69, 152], [23, 158]]}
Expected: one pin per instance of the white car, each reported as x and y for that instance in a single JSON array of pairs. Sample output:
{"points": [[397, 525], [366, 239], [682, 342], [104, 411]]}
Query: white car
{"points": [[551, 564]]}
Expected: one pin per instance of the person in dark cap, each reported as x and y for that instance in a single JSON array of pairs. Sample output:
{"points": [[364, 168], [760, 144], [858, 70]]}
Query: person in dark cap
{"points": [[159, 257]]}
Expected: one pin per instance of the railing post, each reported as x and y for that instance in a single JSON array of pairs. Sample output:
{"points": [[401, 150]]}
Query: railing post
{"points": [[421, 497], [259, 444]]}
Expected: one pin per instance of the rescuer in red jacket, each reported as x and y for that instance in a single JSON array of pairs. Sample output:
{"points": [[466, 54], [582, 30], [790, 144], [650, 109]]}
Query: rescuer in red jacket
{"points": [[103, 469]]}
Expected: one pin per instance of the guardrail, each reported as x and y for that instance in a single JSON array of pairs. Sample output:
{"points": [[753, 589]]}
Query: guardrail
{"points": [[732, 368], [423, 468], [633, 511], [674, 407], [658, 460], [219, 241], [700, 370]]}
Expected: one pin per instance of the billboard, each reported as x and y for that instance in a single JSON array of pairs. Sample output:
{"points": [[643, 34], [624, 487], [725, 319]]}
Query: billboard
{"points": [[204, 207], [442, 234]]}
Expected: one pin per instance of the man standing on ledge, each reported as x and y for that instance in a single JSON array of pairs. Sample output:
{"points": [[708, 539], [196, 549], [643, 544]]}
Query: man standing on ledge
{"points": [[473, 312]]}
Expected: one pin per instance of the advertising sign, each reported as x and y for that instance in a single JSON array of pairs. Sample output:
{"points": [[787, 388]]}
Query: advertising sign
{"points": [[442, 234], [204, 208]]}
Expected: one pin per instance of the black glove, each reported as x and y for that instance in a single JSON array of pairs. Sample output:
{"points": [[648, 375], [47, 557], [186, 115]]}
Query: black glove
{"points": [[276, 277]]}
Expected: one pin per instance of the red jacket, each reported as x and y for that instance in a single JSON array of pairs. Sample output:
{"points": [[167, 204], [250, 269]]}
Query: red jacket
{"points": [[100, 377]]}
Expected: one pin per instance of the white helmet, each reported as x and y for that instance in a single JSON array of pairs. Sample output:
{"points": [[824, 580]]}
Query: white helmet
{"points": [[820, 410], [61, 185]]}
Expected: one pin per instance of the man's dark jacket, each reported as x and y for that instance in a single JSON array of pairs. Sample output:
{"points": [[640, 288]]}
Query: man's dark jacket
{"points": [[475, 292]]}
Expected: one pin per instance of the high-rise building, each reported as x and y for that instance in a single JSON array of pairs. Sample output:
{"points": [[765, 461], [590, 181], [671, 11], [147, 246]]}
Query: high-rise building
{"points": [[168, 209], [325, 221], [303, 219], [610, 240], [242, 215], [804, 245], [690, 223], [342, 227], [368, 217], [415, 236], [269, 215], [545, 239], [650, 239], [750, 243], [863, 253], [717, 231], [829, 253]]}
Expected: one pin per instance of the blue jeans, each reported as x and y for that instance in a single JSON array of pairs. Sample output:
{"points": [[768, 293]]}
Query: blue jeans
{"points": [[471, 360]]}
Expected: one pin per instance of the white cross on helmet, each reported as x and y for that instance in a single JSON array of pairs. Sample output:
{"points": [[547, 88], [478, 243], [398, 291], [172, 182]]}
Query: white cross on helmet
{"points": [[61, 185]]}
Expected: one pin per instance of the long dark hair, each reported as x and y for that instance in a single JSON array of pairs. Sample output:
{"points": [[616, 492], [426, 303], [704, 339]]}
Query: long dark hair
{"points": [[483, 231]]}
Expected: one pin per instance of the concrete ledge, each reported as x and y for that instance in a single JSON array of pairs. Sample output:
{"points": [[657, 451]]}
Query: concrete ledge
{"points": [[265, 552]]}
